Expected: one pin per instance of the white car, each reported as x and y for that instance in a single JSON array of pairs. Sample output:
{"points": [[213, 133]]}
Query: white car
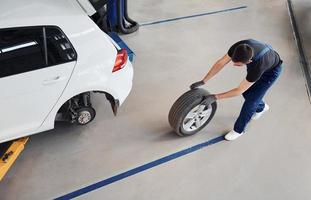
{"points": [[52, 57]]}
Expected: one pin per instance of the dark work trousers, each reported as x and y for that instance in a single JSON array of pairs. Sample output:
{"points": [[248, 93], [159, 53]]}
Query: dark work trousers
{"points": [[253, 97]]}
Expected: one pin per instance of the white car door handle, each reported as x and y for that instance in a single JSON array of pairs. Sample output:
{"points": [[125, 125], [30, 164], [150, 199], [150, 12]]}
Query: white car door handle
{"points": [[52, 80]]}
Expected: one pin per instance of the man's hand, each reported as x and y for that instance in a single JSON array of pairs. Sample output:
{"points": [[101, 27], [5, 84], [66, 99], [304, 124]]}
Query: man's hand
{"points": [[197, 84], [209, 99]]}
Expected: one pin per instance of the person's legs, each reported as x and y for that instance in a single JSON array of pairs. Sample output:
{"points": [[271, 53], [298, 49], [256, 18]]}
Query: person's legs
{"points": [[248, 93], [260, 106], [261, 109], [248, 109], [270, 77], [253, 98], [253, 102]]}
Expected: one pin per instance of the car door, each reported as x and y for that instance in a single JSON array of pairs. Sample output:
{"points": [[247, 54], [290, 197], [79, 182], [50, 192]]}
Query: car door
{"points": [[35, 66]]}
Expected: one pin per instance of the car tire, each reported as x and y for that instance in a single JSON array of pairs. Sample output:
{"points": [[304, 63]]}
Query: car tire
{"points": [[187, 106], [85, 115]]}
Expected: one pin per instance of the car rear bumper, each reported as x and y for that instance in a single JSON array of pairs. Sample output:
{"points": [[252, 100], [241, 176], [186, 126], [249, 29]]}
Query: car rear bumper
{"points": [[121, 83]]}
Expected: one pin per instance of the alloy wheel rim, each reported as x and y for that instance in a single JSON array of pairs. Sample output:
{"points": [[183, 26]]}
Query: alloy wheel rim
{"points": [[197, 117]]}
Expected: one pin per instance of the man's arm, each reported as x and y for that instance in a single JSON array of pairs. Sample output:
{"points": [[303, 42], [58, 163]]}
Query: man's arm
{"points": [[244, 85], [217, 67]]}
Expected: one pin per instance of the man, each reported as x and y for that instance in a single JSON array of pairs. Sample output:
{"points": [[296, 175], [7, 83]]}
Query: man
{"points": [[263, 68]]}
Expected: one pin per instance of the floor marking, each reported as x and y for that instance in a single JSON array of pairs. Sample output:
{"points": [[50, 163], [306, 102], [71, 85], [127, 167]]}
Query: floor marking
{"points": [[192, 16], [139, 169]]}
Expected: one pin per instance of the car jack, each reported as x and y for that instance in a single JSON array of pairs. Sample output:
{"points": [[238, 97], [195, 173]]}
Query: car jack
{"points": [[9, 151]]}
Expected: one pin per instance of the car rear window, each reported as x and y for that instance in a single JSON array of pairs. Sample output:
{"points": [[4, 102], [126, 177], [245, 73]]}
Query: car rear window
{"points": [[21, 51], [31, 48], [59, 49]]}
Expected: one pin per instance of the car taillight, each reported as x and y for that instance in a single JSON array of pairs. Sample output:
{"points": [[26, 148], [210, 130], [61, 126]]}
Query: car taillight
{"points": [[120, 60]]}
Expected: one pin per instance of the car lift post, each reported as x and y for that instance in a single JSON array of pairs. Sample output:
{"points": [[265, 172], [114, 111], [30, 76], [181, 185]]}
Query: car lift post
{"points": [[118, 21], [112, 17], [9, 152]]}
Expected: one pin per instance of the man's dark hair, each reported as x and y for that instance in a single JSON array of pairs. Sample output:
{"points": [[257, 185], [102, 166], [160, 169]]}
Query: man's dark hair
{"points": [[242, 53]]}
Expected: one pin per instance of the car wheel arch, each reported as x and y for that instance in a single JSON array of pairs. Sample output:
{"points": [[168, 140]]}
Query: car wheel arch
{"points": [[112, 100]]}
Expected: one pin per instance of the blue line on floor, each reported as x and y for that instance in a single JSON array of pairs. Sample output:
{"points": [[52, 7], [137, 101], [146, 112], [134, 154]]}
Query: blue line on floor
{"points": [[139, 169], [192, 16]]}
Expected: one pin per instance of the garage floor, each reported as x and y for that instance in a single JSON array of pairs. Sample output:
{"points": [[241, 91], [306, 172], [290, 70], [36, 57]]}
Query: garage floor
{"points": [[272, 161]]}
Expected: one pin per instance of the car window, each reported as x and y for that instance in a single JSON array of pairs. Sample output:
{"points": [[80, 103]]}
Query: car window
{"points": [[21, 50], [59, 49], [32, 48]]}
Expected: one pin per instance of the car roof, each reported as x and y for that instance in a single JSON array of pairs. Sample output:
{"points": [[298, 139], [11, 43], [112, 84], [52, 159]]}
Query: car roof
{"points": [[18, 13]]}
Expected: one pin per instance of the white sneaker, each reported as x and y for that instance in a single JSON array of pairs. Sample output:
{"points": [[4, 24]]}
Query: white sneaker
{"points": [[257, 115], [232, 135]]}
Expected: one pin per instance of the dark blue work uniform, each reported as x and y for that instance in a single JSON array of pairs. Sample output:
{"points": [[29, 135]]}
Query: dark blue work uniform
{"points": [[265, 68]]}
